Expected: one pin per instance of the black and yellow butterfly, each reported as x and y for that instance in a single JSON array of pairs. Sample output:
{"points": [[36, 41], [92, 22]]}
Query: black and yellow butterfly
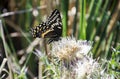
{"points": [[51, 29]]}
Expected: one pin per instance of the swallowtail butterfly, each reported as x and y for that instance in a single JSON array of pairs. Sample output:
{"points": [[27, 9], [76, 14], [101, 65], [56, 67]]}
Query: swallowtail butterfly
{"points": [[51, 28]]}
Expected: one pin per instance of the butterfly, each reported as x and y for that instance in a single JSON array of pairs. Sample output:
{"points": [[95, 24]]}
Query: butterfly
{"points": [[51, 28]]}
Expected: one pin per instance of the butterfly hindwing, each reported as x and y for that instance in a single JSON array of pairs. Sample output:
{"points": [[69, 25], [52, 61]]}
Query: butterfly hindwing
{"points": [[51, 29], [38, 30]]}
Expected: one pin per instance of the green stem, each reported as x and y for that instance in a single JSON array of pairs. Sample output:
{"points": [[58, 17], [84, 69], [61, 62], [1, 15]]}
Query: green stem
{"points": [[82, 27]]}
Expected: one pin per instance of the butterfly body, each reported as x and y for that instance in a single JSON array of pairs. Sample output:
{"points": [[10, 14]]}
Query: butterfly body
{"points": [[51, 29]]}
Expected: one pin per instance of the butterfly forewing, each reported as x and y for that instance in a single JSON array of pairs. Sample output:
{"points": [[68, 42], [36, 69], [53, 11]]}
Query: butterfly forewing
{"points": [[54, 22], [51, 29]]}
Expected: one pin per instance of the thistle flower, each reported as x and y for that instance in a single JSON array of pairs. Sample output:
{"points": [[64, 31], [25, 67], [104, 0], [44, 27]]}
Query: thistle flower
{"points": [[85, 67], [77, 63], [88, 68], [69, 48]]}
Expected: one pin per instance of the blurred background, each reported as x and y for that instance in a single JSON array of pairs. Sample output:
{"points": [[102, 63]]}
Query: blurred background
{"points": [[92, 20]]}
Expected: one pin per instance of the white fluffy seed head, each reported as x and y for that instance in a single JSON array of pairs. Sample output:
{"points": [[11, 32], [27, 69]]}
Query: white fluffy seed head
{"points": [[69, 48]]}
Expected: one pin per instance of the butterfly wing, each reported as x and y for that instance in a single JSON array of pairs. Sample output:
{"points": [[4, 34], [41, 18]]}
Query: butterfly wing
{"points": [[39, 30], [51, 29], [54, 22]]}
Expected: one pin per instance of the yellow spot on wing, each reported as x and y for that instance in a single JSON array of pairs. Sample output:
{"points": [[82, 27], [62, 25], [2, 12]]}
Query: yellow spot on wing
{"points": [[43, 34]]}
